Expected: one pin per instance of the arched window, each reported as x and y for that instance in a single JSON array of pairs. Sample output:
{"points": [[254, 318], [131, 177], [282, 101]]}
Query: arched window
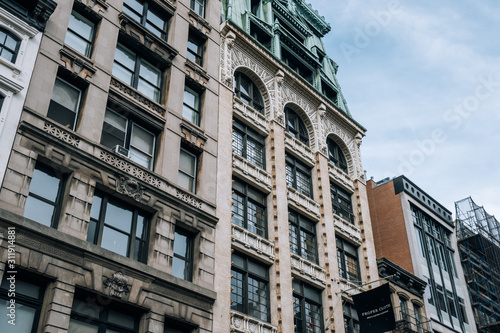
{"points": [[295, 126], [247, 91], [9, 45], [335, 155]]}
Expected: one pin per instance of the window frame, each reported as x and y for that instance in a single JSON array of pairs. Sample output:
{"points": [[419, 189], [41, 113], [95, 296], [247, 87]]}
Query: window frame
{"points": [[247, 134], [305, 304], [254, 99], [345, 267], [199, 7], [57, 203], [294, 168], [130, 123], [340, 204], [194, 177], [351, 319], [135, 73], [198, 54], [149, 7], [52, 112], [247, 274], [189, 256], [296, 229], [15, 51], [194, 109], [100, 224], [298, 128], [258, 229], [336, 156], [89, 42]]}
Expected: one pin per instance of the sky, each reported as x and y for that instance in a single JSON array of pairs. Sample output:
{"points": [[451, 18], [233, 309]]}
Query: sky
{"points": [[423, 77]]}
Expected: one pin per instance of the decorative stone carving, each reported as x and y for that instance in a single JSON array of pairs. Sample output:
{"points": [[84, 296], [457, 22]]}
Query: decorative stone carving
{"points": [[242, 323], [193, 137], [124, 89], [247, 169], [348, 230], [340, 177], [301, 201], [292, 144], [61, 134], [251, 241], [186, 197], [130, 187], [77, 65], [308, 269], [117, 285], [253, 117], [196, 73]]}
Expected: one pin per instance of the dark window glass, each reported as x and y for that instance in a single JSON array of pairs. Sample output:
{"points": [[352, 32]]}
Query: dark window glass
{"points": [[329, 92], [247, 91], [405, 314], [64, 104], [295, 126], [249, 208], [199, 7], [28, 302], [195, 48], [298, 176], [254, 6], [135, 71], [192, 105], [249, 287], [347, 256], [303, 237], [118, 227], [418, 318], [307, 308], [1, 101], [296, 65], [101, 315], [119, 131], [188, 165], [45, 197], [351, 321], [182, 264], [9, 45], [80, 34], [147, 14], [341, 203], [260, 35], [249, 144], [336, 156]]}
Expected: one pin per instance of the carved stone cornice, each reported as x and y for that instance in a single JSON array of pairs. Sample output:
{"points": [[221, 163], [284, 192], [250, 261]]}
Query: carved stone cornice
{"points": [[261, 247], [199, 23], [242, 323], [251, 172], [196, 74], [133, 95], [308, 270], [34, 12], [77, 64], [193, 137], [348, 230]]}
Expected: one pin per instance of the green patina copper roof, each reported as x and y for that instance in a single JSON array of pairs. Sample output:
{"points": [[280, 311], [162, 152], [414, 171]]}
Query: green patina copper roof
{"points": [[293, 28]]}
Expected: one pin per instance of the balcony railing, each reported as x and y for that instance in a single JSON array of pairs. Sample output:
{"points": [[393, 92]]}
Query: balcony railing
{"points": [[408, 322]]}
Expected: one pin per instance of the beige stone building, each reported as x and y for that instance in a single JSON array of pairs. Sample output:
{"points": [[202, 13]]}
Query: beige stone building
{"points": [[291, 199], [108, 204]]}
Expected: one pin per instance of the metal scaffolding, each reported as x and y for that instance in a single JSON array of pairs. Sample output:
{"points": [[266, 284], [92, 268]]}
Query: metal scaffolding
{"points": [[478, 236]]}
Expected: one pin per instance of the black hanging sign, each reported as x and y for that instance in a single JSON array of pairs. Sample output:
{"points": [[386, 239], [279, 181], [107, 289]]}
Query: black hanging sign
{"points": [[375, 311]]}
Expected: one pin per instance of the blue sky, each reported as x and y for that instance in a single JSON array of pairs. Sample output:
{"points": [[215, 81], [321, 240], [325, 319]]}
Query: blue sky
{"points": [[424, 78]]}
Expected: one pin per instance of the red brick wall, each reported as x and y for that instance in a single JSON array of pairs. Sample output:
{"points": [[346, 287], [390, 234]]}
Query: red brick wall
{"points": [[388, 225]]}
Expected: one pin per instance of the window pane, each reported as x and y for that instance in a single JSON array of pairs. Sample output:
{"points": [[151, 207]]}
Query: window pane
{"points": [[149, 90], [96, 207], [142, 139], [80, 33], [25, 316], [187, 163], [86, 309], [179, 268], [150, 73], [140, 158], [118, 217], [44, 185], [114, 130], [81, 327], [186, 182], [39, 211], [114, 241], [121, 319], [180, 245], [65, 95], [133, 8], [78, 43]]}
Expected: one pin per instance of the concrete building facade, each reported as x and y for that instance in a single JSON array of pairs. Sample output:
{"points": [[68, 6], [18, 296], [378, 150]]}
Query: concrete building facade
{"points": [[108, 203], [415, 232], [294, 238]]}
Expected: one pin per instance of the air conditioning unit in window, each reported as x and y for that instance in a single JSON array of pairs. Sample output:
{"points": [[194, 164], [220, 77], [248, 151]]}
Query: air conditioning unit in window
{"points": [[122, 150]]}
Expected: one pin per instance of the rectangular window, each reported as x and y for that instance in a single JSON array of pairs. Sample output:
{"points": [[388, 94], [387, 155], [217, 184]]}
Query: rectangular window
{"points": [[351, 320], [298, 176], [138, 142], [341, 203], [329, 92], [199, 7], [182, 263], [249, 287], [260, 35], [135, 71], [249, 208], [95, 315], [307, 308], [302, 237], [149, 15], [118, 227], [28, 302], [80, 34], [45, 197], [195, 48], [249, 144], [188, 165], [65, 104], [191, 109], [296, 65], [347, 256]]}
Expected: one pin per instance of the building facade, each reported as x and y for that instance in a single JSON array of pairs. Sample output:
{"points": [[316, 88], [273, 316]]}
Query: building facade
{"points": [[108, 203], [478, 236], [414, 231], [294, 238]]}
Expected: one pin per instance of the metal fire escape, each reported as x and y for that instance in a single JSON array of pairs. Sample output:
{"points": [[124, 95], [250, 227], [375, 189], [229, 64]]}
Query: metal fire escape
{"points": [[408, 321]]}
